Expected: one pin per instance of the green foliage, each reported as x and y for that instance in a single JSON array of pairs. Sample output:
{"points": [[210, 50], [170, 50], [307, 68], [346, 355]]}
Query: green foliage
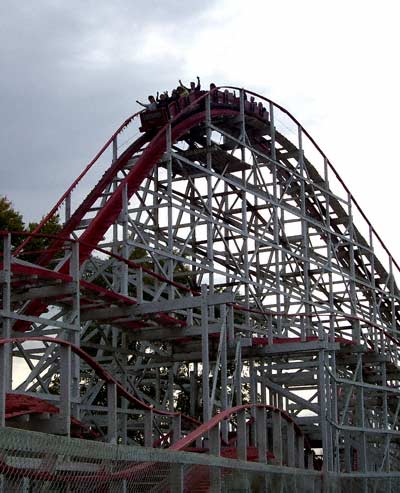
{"points": [[52, 227], [10, 220], [141, 254]]}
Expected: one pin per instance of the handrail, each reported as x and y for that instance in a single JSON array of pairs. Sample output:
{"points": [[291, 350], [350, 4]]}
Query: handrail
{"points": [[129, 262], [100, 372], [222, 416], [193, 104], [330, 165], [88, 167], [78, 179], [236, 306], [190, 106]]}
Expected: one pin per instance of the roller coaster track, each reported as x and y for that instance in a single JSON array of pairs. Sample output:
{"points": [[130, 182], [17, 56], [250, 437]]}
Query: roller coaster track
{"points": [[135, 472], [107, 178], [99, 371], [219, 258], [146, 162]]}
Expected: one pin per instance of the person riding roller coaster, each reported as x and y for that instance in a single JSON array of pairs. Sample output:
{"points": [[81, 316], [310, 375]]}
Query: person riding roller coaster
{"points": [[163, 100], [152, 105], [193, 87], [163, 107]]}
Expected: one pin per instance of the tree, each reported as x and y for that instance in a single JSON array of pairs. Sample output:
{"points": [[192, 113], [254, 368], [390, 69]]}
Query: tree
{"points": [[10, 220], [39, 243]]}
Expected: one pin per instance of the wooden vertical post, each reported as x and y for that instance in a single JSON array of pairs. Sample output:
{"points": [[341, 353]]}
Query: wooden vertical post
{"points": [[277, 436], [112, 412], [148, 428], [241, 435]]}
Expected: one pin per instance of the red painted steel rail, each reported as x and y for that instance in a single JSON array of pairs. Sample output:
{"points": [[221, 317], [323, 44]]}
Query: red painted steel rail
{"points": [[222, 416], [177, 117], [180, 124], [101, 373], [54, 210]]}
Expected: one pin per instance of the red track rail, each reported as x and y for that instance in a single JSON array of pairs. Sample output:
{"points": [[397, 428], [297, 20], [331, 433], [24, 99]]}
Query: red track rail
{"points": [[335, 172], [222, 416], [108, 214], [145, 164], [263, 98], [77, 180], [105, 218], [101, 373], [46, 273]]}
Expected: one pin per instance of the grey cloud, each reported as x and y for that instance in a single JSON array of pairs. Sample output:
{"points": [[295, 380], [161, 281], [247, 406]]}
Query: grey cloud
{"points": [[68, 81]]}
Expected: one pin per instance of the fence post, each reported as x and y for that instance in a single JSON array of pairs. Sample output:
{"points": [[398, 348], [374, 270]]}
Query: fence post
{"points": [[290, 445], [148, 428], [112, 428], [241, 435], [277, 436], [177, 427], [300, 451], [65, 389], [5, 349], [261, 434], [215, 449], [177, 478]]}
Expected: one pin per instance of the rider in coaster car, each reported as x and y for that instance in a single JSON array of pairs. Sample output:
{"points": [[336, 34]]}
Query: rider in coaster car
{"points": [[174, 96], [182, 91], [162, 100], [193, 87], [152, 105]]}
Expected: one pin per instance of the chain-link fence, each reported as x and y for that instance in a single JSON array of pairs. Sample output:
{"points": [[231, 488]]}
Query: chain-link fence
{"points": [[32, 462], [363, 483], [37, 462]]}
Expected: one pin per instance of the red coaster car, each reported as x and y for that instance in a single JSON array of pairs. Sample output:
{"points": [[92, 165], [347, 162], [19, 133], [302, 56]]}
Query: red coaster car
{"points": [[153, 119]]}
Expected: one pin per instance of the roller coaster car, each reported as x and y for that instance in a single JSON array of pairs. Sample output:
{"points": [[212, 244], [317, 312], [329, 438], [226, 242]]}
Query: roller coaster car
{"points": [[153, 119]]}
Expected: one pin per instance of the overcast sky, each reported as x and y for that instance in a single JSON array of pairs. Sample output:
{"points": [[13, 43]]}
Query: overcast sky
{"points": [[72, 70]]}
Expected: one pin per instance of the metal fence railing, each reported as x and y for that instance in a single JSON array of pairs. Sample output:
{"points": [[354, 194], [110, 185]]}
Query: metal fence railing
{"points": [[38, 462], [32, 462]]}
